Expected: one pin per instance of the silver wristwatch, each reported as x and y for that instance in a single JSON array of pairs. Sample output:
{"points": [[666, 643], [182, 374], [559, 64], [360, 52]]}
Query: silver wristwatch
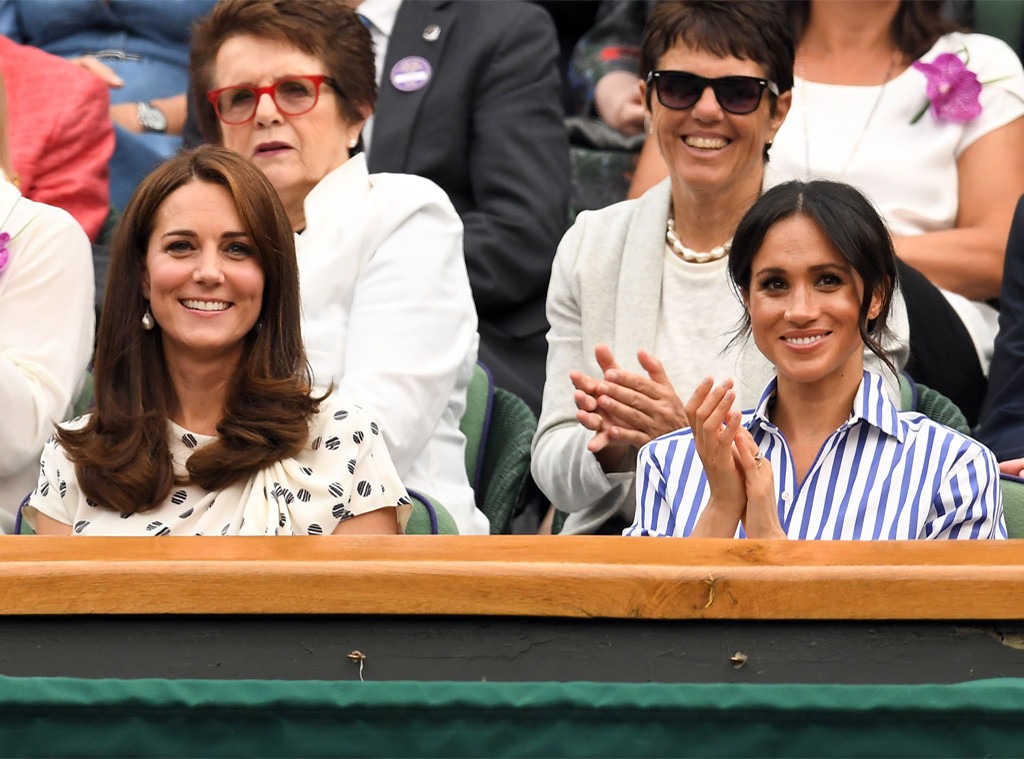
{"points": [[151, 118]]}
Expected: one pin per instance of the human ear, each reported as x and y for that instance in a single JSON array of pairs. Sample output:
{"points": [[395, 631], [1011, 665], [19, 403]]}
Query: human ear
{"points": [[782, 105], [877, 301], [645, 101], [355, 128]]}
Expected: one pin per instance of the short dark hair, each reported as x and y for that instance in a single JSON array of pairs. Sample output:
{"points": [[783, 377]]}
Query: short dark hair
{"points": [[850, 223], [121, 455], [917, 25], [326, 29], [753, 30]]}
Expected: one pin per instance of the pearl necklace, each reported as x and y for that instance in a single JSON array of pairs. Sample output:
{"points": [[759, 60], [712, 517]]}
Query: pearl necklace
{"points": [[694, 256], [803, 82]]}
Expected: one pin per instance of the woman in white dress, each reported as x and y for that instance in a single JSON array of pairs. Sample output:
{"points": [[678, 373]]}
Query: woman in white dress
{"points": [[947, 180], [205, 419]]}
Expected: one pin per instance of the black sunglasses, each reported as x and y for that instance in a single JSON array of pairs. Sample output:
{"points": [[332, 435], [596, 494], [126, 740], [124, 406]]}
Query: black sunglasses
{"points": [[680, 90]]}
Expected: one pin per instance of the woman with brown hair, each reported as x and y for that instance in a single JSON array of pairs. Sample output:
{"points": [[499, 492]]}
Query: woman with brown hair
{"points": [[205, 420], [387, 312]]}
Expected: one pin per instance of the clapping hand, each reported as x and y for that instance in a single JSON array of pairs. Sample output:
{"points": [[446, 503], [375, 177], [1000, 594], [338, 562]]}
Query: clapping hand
{"points": [[742, 487], [624, 409], [761, 518], [715, 425]]}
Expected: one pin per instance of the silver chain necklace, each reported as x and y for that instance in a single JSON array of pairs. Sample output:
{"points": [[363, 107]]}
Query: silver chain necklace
{"points": [[860, 137]]}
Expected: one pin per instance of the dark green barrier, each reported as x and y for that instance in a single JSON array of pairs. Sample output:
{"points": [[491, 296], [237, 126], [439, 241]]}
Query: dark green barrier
{"points": [[251, 718]]}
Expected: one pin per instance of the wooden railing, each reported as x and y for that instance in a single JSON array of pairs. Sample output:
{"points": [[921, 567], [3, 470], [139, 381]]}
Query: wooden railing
{"points": [[607, 577]]}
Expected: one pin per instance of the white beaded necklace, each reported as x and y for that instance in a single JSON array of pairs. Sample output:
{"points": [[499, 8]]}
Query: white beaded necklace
{"points": [[694, 256]]}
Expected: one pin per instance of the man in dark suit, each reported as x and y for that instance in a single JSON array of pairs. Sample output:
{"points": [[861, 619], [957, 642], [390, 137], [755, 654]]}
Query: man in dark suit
{"points": [[470, 97], [1002, 419]]}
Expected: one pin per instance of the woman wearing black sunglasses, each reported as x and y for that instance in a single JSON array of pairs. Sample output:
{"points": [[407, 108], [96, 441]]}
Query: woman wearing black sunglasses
{"points": [[647, 278], [945, 180]]}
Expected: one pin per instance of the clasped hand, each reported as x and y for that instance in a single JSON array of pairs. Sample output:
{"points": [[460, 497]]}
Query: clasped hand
{"points": [[625, 409], [742, 486]]}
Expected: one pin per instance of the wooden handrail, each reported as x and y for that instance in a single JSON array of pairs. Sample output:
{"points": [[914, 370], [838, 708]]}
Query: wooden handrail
{"points": [[588, 576]]}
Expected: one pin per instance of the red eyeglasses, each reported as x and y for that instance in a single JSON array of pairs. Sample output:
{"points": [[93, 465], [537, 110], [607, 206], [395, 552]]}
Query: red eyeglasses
{"points": [[293, 96]]}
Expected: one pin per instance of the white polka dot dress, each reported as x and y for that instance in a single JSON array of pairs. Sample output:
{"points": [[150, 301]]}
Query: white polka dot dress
{"points": [[343, 471]]}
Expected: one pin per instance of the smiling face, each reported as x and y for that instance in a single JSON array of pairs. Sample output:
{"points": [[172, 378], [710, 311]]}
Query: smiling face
{"points": [[804, 304], [294, 152], [203, 282], [706, 148]]}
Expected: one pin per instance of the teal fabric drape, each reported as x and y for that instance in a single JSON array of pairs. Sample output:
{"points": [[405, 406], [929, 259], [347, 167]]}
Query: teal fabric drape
{"points": [[43, 717]]}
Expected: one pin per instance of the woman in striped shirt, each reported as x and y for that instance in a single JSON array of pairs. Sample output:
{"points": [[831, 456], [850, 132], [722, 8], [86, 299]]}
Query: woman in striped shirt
{"points": [[825, 454]]}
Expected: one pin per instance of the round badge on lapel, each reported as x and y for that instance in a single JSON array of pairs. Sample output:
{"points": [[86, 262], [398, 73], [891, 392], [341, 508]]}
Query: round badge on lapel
{"points": [[431, 32], [410, 74]]}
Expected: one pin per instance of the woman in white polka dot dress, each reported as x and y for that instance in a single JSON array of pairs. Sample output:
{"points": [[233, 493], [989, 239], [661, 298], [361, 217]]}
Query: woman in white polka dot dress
{"points": [[205, 421]]}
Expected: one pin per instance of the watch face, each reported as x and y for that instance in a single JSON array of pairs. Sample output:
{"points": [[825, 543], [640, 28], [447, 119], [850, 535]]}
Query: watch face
{"points": [[151, 118]]}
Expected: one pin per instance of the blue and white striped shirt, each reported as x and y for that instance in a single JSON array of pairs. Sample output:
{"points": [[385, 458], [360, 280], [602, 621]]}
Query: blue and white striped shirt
{"points": [[884, 474]]}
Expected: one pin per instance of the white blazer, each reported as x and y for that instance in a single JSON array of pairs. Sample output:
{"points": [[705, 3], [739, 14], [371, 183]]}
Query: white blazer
{"points": [[388, 318]]}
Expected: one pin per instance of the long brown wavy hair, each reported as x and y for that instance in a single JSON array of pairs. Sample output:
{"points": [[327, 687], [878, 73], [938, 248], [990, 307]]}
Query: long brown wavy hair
{"points": [[121, 454]]}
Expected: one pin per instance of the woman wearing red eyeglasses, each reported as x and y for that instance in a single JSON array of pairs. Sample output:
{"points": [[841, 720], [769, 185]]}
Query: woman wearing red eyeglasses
{"points": [[639, 302], [388, 315]]}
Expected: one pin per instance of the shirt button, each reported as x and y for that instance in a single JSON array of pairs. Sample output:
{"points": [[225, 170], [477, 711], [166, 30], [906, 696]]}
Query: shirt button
{"points": [[785, 495]]}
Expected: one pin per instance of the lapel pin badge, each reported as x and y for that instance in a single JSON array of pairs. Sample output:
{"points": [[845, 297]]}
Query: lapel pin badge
{"points": [[410, 74], [431, 32]]}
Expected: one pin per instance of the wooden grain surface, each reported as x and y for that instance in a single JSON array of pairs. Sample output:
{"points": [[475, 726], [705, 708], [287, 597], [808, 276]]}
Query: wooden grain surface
{"points": [[585, 576]]}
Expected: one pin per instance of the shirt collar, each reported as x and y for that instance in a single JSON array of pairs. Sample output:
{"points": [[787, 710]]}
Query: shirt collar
{"points": [[871, 404], [380, 13]]}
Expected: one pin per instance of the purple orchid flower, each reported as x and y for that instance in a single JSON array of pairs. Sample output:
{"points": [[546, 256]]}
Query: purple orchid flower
{"points": [[5, 254], [952, 89]]}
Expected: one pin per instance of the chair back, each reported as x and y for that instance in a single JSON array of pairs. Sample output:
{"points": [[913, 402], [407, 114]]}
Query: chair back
{"points": [[21, 527], [933, 404], [429, 517], [1013, 505], [506, 459], [499, 429], [84, 402], [475, 422]]}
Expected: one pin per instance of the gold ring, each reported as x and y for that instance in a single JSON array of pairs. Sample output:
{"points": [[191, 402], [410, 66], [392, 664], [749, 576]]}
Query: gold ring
{"points": [[759, 458]]}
